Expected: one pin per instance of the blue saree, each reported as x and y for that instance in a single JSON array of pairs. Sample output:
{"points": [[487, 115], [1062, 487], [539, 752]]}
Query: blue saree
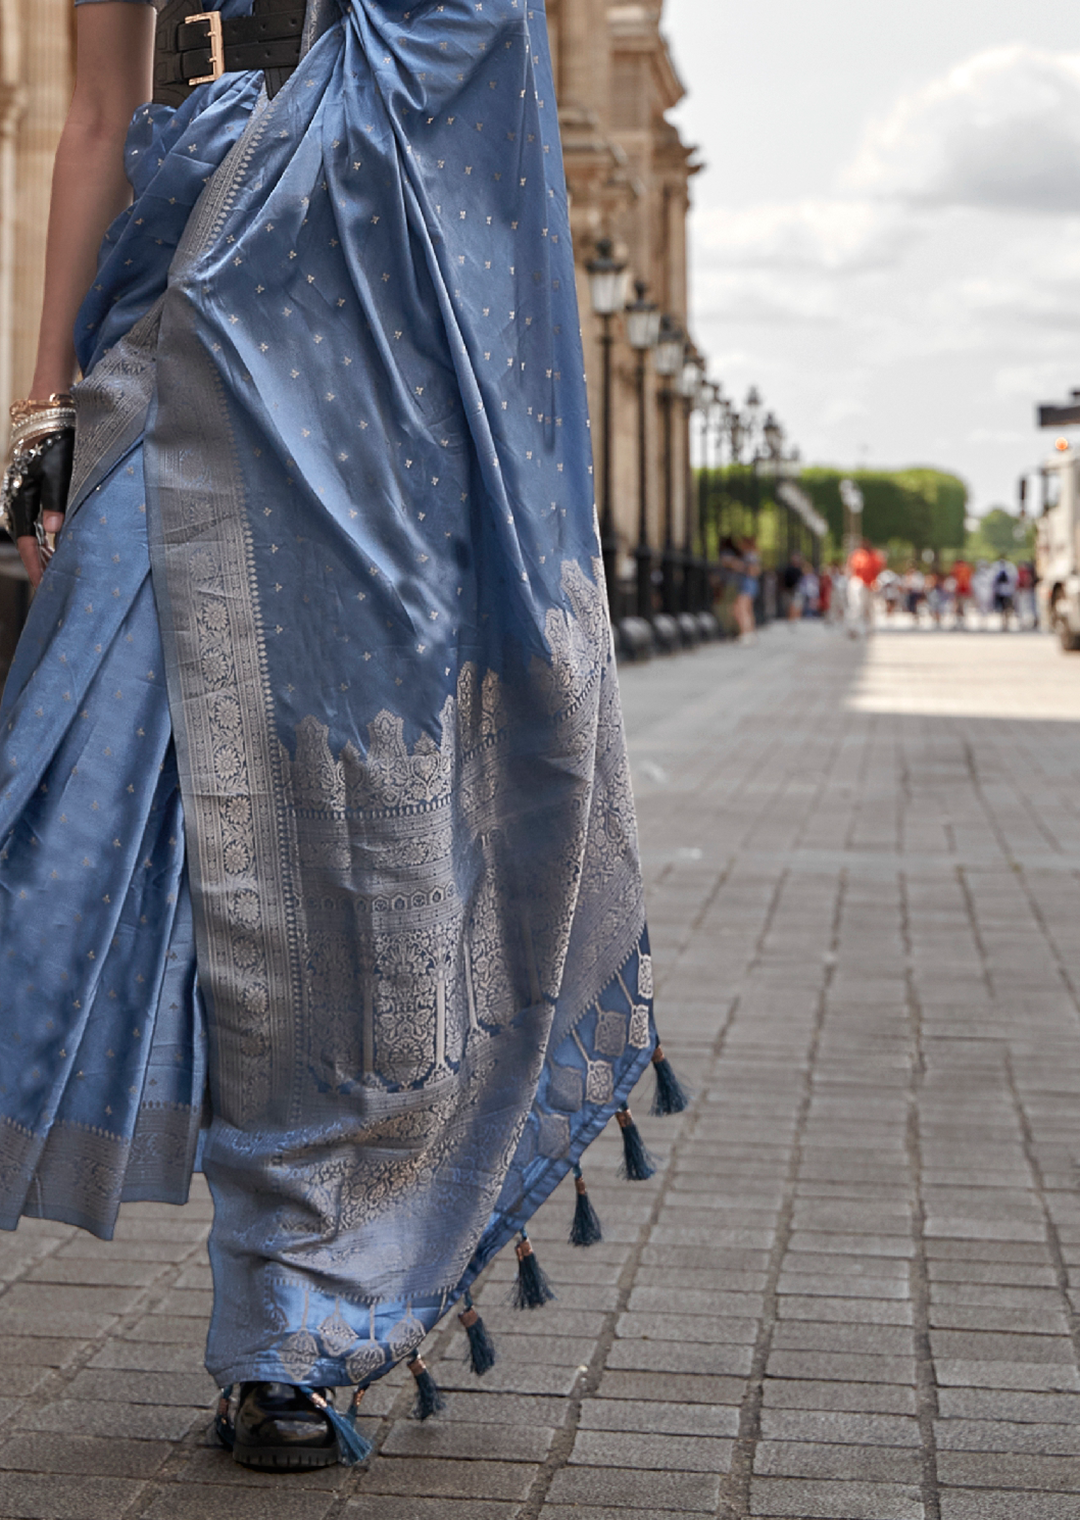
{"points": [[318, 863]]}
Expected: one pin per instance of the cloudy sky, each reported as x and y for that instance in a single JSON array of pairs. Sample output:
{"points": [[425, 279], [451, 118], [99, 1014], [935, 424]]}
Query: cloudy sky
{"points": [[887, 234]]}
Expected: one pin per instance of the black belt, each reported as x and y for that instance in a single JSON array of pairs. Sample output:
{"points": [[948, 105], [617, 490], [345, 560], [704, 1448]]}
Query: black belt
{"points": [[194, 47]]}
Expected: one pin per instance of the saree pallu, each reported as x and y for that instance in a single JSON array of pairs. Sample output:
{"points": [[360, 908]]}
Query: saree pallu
{"points": [[318, 862]]}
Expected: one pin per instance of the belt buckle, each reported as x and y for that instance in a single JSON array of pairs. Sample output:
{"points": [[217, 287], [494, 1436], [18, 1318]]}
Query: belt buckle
{"points": [[217, 45]]}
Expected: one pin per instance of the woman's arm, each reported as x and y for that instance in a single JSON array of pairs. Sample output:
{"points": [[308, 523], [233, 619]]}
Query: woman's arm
{"points": [[114, 76]]}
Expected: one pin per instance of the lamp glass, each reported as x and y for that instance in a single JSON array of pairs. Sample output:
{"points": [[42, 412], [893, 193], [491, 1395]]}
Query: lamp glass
{"points": [[689, 380], [607, 284], [642, 325], [669, 352]]}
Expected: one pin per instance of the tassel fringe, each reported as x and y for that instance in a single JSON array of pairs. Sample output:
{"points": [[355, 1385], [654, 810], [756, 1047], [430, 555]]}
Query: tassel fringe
{"points": [[671, 1097], [428, 1398], [638, 1165], [531, 1288], [352, 1447], [585, 1230], [481, 1346]]}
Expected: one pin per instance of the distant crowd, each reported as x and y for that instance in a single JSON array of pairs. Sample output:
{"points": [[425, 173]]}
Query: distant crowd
{"points": [[854, 594]]}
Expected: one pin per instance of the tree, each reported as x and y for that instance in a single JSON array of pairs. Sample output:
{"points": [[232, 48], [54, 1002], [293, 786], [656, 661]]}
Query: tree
{"points": [[997, 535]]}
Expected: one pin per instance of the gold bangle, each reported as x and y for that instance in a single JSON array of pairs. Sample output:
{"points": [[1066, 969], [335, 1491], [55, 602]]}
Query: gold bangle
{"points": [[20, 411], [39, 425]]}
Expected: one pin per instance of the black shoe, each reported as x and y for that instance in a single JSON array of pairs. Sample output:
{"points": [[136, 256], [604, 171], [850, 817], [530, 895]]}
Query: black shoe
{"points": [[278, 1426]]}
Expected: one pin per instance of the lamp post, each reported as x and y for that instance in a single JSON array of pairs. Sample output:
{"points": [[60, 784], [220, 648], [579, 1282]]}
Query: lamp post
{"points": [[773, 437], [606, 291], [690, 381], [852, 499], [667, 360], [642, 331], [712, 402]]}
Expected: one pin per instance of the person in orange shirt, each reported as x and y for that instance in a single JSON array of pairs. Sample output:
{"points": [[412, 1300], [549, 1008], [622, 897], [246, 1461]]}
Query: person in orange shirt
{"points": [[864, 566], [961, 574]]}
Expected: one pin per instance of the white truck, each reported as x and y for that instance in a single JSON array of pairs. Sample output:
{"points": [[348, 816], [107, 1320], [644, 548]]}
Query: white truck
{"points": [[1057, 542]]}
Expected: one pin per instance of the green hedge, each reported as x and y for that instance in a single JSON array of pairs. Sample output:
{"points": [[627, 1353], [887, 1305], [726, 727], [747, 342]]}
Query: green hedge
{"points": [[922, 508]]}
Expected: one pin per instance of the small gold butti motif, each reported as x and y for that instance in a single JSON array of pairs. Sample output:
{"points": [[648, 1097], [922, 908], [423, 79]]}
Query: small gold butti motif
{"points": [[299, 1354], [599, 1082], [365, 1362], [639, 1026], [336, 1333], [644, 976], [610, 1039], [405, 1336]]}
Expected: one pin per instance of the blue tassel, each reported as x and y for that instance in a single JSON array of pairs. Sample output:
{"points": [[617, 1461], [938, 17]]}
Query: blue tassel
{"points": [[531, 1288], [671, 1097], [481, 1346], [428, 1398], [585, 1230], [223, 1427], [352, 1447], [638, 1165]]}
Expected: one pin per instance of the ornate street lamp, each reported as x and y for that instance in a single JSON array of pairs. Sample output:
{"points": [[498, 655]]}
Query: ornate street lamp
{"points": [[711, 403], [642, 332], [667, 361], [772, 435], [607, 282], [690, 383]]}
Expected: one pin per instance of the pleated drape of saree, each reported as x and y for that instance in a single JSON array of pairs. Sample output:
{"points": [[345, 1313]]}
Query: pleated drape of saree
{"points": [[318, 863]]}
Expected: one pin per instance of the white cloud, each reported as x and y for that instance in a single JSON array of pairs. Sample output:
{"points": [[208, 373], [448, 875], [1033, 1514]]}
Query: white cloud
{"points": [[1000, 131], [925, 306], [839, 235]]}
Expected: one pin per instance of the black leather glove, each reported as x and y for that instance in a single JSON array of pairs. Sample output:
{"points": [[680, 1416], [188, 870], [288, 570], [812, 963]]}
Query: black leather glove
{"points": [[37, 481]]}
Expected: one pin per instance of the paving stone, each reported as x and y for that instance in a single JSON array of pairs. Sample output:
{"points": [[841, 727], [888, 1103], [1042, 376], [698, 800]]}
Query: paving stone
{"points": [[461, 1441], [635, 1449], [872, 1464], [1005, 1470], [383, 1507], [1007, 1436], [669, 1387], [679, 1357], [1008, 1404], [209, 1503], [481, 1408], [52, 1496], [688, 1493], [856, 1430], [432, 1477], [1040, 1376], [136, 1422], [660, 1419], [72, 1452], [870, 1398], [841, 1366], [969, 1504], [811, 1500]]}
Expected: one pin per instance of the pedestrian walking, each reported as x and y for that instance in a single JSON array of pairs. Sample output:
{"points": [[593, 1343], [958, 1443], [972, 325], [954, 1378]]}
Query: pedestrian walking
{"points": [[749, 575], [864, 566], [961, 576], [791, 579], [317, 849], [1003, 580]]}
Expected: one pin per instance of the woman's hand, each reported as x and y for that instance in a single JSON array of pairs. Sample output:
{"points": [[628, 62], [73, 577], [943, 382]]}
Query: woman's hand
{"points": [[35, 497]]}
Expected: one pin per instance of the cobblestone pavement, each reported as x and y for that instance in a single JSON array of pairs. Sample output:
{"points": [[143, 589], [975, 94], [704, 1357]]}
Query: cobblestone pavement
{"points": [[847, 1291]]}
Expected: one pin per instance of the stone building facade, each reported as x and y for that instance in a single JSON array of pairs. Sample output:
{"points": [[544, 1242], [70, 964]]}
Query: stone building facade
{"points": [[629, 174], [627, 170]]}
